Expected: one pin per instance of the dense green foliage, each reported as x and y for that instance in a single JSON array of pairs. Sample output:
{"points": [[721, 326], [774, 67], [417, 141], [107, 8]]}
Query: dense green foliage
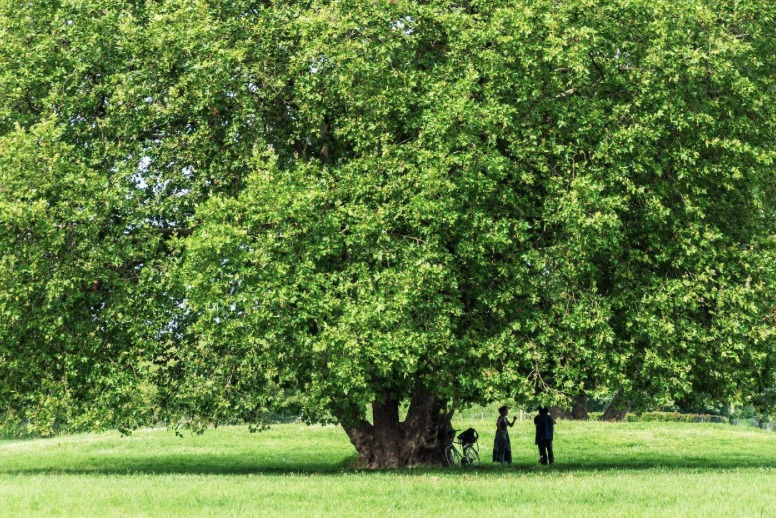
{"points": [[205, 203], [633, 469]]}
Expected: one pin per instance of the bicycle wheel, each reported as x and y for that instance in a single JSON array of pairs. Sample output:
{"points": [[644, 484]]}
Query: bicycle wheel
{"points": [[470, 457], [452, 457]]}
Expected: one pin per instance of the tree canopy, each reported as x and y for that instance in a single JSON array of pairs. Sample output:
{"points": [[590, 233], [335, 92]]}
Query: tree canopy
{"points": [[204, 203]]}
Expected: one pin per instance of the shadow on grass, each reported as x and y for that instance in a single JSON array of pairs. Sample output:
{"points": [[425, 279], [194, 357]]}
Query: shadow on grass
{"points": [[228, 452], [226, 465]]}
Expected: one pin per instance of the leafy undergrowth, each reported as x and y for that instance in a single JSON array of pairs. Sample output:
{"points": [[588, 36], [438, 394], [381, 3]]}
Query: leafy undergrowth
{"points": [[602, 469]]}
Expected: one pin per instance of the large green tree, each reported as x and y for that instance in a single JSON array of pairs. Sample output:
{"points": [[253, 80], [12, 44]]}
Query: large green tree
{"points": [[439, 203]]}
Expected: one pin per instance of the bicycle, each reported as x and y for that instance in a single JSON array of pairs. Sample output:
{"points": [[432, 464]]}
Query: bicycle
{"points": [[468, 455]]}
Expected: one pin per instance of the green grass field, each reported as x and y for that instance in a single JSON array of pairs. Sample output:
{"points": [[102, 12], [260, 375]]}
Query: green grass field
{"points": [[602, 469]]}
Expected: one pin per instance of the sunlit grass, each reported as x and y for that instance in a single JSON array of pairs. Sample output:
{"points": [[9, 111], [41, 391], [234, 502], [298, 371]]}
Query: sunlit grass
{"points": [[603, 469]]}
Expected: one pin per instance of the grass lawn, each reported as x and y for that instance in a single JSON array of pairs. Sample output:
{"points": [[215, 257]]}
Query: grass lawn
{"points": [[602, 469]]}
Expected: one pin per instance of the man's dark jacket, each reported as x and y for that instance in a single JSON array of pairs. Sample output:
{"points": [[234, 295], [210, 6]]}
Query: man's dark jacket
{"points": [[544, 427]]}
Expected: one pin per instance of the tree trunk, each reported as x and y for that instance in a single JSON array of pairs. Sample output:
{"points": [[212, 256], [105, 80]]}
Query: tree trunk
{"points": [[560, 413], [612, 413], [579, 410], [577, 413], [389, 443]]}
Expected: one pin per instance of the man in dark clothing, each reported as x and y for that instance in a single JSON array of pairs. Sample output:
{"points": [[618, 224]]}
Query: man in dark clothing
{"points": [[544, 427]]}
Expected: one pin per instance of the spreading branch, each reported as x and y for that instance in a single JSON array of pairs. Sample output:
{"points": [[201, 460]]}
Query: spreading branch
{"points": [[597, 66]]}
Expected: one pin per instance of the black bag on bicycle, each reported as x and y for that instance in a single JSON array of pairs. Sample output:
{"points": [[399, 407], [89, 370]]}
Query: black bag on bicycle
{"points": [[468, 436]]}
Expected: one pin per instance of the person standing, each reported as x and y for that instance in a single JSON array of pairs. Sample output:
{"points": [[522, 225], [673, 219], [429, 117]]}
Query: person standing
{"points": [[544, 429], [502, 449]]}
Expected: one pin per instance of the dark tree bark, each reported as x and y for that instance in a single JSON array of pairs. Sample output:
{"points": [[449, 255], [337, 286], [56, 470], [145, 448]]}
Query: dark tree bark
{"points": [[560, 413], [389, 443], [578, 412], [616, 410]]}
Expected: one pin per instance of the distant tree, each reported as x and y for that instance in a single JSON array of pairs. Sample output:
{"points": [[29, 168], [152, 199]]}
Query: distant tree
{"points": [[203, 204]]}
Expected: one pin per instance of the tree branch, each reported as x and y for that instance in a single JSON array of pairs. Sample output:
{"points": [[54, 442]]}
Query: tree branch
{"points": [[600, 71]]}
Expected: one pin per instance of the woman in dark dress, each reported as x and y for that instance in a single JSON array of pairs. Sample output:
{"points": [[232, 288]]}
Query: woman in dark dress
{"points": [[502, 449]]}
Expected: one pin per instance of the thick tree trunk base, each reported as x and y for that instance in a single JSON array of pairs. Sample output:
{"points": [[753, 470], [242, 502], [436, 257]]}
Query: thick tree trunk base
{"points": [[420, 439], [616, 410], [579, 410], [577, 413], [560, 413]]}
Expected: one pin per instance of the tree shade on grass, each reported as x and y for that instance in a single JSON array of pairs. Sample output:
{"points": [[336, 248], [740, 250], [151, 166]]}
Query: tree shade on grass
{"points": [[633, 469], [203, 204]]}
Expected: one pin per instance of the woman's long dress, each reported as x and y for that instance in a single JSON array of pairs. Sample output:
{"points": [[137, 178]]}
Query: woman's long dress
{"points": [[502, 449]]}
